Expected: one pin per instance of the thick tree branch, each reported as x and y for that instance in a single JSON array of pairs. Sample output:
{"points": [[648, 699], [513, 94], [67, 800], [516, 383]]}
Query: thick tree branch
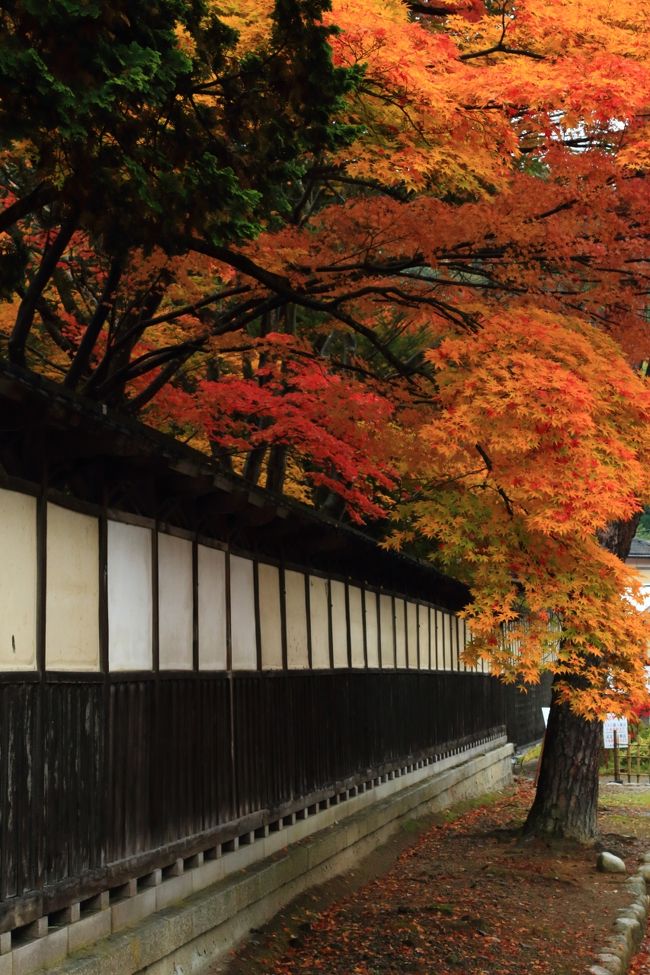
{"points": [[502, 49], [28, 306], [90, 336], [189, 309], [42, 194], [488, 463]]}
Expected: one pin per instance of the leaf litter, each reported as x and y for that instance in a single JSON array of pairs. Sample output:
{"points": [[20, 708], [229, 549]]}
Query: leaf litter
{"points": [[457, 892]]}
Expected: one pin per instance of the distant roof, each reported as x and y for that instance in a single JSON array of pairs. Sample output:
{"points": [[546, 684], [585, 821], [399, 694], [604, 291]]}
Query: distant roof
{"points": [[640, 548]]}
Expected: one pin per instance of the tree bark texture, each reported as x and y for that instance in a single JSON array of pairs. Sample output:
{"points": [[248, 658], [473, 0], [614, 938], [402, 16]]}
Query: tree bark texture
{"points": [[566, 801]]}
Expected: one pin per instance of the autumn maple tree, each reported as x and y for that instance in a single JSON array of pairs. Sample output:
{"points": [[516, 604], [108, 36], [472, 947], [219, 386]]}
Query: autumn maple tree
{"points": [[391, 257]]}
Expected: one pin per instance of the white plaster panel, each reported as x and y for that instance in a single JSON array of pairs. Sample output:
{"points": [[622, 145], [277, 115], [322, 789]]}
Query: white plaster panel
{"points": [[339, 623], [268, 577], [462, 642], [387, 634], [478, 668], [447, 647], [17, 581], [453, 629], [412, 634], [440, 637], [129, 597], [72, 591], [320, 622], [400, 633], [213, 639], [446, 643], [243, 638], [423, 630], [175, 603], [372, 632], [355, 606], [296, 619], [433, 637]]}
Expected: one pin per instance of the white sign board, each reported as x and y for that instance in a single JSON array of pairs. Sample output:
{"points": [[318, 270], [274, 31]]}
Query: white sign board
{"points": [[545, 714], [613, 724]]}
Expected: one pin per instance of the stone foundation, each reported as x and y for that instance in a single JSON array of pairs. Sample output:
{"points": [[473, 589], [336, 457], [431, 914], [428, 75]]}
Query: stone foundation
{"points": [[180, 920]]}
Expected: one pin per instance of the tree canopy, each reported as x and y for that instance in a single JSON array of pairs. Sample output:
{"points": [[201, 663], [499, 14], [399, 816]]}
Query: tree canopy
{"points": [[390, 257]]}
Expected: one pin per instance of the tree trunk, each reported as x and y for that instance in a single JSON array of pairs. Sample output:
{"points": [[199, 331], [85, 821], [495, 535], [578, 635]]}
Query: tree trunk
{"points": [[566, 802]]}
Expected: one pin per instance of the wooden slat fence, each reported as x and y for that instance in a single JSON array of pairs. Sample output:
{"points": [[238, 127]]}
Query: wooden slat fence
{"points": [[105, 778]]}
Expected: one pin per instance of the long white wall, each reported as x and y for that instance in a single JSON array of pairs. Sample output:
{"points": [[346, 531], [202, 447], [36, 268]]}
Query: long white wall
{"points": [[164, 600]]}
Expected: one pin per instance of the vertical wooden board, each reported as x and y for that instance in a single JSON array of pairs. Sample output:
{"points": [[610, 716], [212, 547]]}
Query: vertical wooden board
{"points": [[339, 623], [387, 634], [400, 632], [7, 888], [141, 736], [372, 630], [58, 749], [296, 620], [72, 590], [357, 639], [175, 603], [320, 623], [17, 581], [270, 616], [424, 635], [243, 635], [213, 649], [215, 754], [130, 610], [16, 743], [117, 737], [412, 634]]}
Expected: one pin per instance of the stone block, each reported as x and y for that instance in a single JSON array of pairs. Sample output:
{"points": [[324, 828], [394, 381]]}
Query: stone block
{"points": [[68, 915], [88, 929], [37, 929], [243, 857], [133, 909], [612, 963], [637, 911], [5, 942], [172, 940], [152, 879], [273, 843], [100, 902], [174, 869], [301, 829], [114, 956], [6, 965], [173, 889], [630, 929], [210, 872], [609, 863], [41, 953], [162, 936]]}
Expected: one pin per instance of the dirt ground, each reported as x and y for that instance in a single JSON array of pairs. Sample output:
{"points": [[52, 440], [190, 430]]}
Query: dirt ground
{"points": [[460, 893]]}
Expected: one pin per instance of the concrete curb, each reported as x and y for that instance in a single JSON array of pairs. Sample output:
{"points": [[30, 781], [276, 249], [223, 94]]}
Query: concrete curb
{"points": [[629, 927], [187, 937]]}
